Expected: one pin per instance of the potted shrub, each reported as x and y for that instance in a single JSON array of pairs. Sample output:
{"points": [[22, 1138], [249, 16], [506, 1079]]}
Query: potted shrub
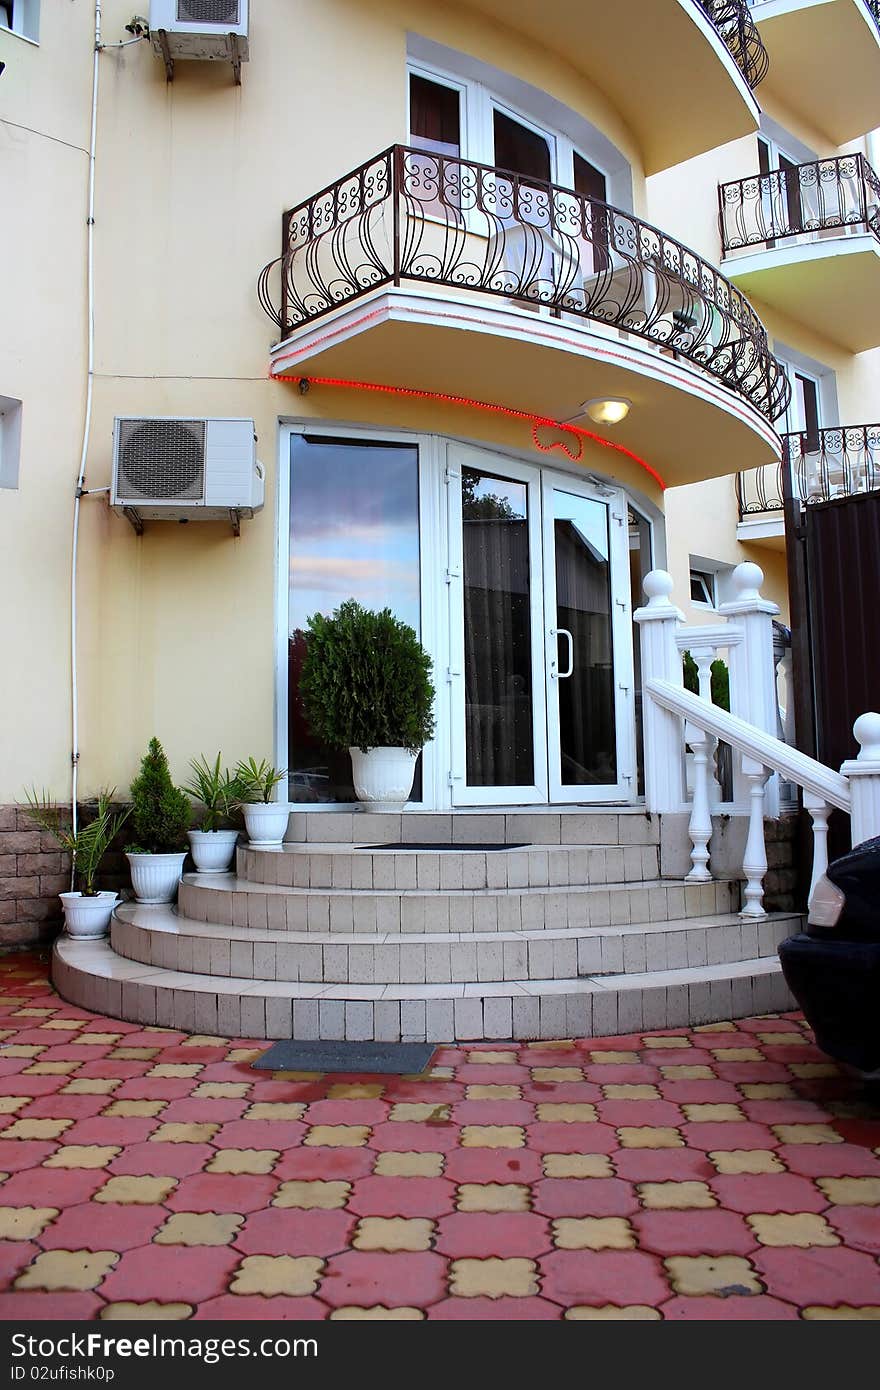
{"points": [[366, 686], [160, 813], [213, 846], [87, 910], [265, 818]]}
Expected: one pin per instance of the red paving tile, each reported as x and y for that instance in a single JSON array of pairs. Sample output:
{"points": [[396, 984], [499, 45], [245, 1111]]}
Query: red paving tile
{"points": [[383, 1212]]}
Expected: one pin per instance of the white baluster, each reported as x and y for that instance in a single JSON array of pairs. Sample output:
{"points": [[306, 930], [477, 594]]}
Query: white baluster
{"points": [[752, 669], [819, 812], [755, 856], [864, 779], [658, 621], [703, 745]]}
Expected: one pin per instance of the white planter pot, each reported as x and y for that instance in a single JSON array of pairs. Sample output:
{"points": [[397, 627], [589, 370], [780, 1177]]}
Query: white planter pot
{"points": [[85, 919], [383, 777], [212, 850], [266, 821], [154, 877]]}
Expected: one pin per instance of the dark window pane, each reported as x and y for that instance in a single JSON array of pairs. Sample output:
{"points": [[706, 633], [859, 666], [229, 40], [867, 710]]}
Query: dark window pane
{"points": [[590, 183], [519, 149], [354, 533], [434, 119]]}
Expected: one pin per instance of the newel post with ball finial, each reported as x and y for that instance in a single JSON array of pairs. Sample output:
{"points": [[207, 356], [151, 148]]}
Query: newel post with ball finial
{"points": [[658, 622]]}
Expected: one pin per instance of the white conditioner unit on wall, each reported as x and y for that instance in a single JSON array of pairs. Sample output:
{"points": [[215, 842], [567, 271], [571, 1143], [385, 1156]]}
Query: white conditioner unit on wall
{"points": [[185, 469], [212, 30]]}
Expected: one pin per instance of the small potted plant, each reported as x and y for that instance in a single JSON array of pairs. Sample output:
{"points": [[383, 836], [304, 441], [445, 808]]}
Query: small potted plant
{"points": [[160, 814], [265, 818], [366, 686], [87, 910], [213, 846]]}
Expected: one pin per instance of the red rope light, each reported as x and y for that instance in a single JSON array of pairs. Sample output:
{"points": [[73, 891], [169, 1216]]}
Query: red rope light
{"points": [[537, 421]]}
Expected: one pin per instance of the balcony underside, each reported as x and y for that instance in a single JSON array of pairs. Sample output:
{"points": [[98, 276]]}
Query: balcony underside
{"points": [[663, 67], [824, 64], [684, 423], [831, 286], [766, 529]]}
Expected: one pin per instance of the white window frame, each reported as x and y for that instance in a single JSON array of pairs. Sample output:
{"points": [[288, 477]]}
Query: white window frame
{"points": [[702, 571], [25, 20]]}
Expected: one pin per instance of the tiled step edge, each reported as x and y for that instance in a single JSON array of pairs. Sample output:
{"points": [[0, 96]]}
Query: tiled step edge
{"points": [[238, 902], [160, 937], [620, 826], [89, 974]]}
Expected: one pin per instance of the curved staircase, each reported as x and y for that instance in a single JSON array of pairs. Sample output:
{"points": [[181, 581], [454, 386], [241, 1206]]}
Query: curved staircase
{"points": [[438, 927]]}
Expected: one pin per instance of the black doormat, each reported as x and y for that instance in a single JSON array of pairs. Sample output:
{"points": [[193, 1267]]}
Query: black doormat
{"points": [[401, 1059], [436, 849]]}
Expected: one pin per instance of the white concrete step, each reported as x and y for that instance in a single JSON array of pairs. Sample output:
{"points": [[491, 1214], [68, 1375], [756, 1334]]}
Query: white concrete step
{"points": [[159, 936], [349, 865], [232, 901], [571, 825], [91, 975]]}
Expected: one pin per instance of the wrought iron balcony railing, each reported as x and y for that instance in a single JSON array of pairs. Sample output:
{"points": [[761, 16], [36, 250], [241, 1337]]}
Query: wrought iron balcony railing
{"points": [[840, 462], [410, 215], [827, 195], [740, 33]]}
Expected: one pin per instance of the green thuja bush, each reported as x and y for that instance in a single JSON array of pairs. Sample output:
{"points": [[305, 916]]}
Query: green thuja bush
{"points": [[720, 687], [160, 812], [366, 681]]}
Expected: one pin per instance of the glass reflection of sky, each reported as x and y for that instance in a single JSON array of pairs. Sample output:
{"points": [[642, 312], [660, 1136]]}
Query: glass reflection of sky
{"points": [[590, 519], [354, 528], [504, 489]]}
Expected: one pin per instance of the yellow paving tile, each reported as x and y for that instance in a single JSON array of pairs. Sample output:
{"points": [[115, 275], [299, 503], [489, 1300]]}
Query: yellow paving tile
{"points": [[180, 1070], [784, 1039], [674, 1196], [712, 1114], [804, 1229], [204, 1040], [613, 1058], [295, 1276], [493, 1092], [695, 1275], [630, 1093], [593, 1233], [100, 1040], [665, 1042], [135, 1054], [312, 1195], [845, 1312], [393, 1233], [566, 1112], [199, 1228], [68, 1025], [36, 1129], [851, 1192], [577, 1166], [650, 1137], [806, 1134], [221, 1090], [715, 1028], [243, 1161], [492, 1137], [132, 1109], [553, 1045], [732, 1161], [281, 1075], [82, 1156], [9, 1104], [737, 1054], [557, 1074], [24, 1223], [142, 1191], [687, 1073], [51, 1068], [418, 1112], [491, 1059], [492, 1196], [55, 1270], [245, 1054], [146, 1312], [338, 1136], [355, 1090], [810, 1071], [33, 1013], [352, 1314], [184, 1134], [275, 1110], [767, 1090], [408, 1165], [493, 1278], [634, 1312], [91, 1086]]}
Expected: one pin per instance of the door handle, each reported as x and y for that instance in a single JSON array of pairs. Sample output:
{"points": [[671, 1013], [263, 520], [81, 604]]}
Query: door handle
{"points": [[564, 632]]}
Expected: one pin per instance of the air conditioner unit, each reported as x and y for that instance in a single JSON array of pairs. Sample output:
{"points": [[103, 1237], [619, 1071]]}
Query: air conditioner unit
{"points": [[185, 470], [212, 30]]}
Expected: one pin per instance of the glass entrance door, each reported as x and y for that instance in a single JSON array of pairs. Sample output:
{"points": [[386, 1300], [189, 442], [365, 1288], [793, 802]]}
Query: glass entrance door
{"points": [[541, 670]]}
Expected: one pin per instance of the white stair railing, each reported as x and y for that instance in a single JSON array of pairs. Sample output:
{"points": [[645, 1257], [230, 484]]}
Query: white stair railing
{"points": [[674, 716]]}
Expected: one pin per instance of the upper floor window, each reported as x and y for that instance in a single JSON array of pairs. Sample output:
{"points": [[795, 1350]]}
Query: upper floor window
{"points": [[22, 17]]}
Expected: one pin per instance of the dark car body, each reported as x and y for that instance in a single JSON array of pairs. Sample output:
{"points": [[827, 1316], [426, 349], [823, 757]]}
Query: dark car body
{"points": [[833, 971]]}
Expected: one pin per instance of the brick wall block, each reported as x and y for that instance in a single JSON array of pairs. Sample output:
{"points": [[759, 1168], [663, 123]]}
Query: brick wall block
{"points": [[40, 864], [53, 884], [19, 887], [39, 910], [23, 842], [8, 865], [7, 817]]}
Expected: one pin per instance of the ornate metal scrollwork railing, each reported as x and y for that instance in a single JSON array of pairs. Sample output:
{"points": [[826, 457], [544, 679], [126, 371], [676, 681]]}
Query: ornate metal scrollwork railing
{"points": [[842, 461], [411, 215], [838, 195], [740, 33], [874, 8]]}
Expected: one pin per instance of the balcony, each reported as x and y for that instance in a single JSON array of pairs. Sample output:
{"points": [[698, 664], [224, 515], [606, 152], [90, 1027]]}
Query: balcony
{"points": [[451, 277], [806, 241], [676, 71], [824, 63], [843, 461]]}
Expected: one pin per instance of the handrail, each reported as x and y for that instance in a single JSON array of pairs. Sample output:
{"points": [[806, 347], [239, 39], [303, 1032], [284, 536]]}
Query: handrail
{"points": [[794, 766], [839, 461]]}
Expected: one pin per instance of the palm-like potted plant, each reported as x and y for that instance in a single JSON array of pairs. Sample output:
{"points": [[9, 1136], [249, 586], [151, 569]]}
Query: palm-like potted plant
{"points": [[87, 909], [213, 845], [366, 686], [161, 814], [264, 817]]}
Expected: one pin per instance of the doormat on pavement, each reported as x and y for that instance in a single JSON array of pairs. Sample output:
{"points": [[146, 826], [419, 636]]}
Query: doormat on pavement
{"points": [[454, 849], [401, 1059]]}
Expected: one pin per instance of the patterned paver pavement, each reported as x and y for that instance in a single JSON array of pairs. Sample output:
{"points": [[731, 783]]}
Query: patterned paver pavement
{"points": [[720, 1172]]}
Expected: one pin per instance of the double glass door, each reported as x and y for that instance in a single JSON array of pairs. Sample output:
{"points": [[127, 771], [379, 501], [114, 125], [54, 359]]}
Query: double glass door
{"points": [[541, 674]]}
